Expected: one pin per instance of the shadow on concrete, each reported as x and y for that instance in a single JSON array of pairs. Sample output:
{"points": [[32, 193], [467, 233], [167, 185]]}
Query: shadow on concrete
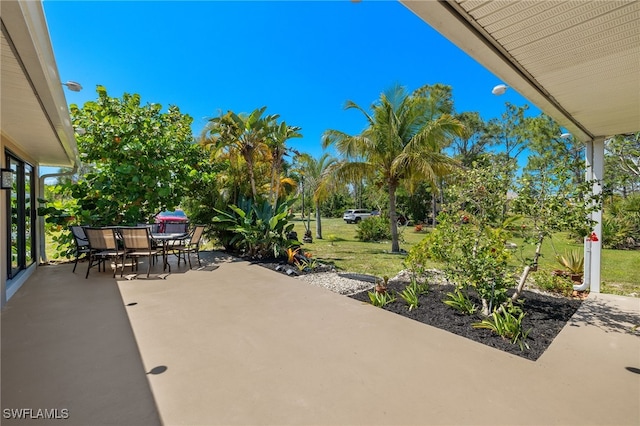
{"points": [[608, 316], [67, 344]]}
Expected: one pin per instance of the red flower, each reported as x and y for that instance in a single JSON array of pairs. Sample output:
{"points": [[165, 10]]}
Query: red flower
{"points": [[593, 237]]}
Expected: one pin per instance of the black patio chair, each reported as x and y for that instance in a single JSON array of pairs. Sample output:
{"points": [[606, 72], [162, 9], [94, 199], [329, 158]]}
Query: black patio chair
{"points": [[81, 243]]}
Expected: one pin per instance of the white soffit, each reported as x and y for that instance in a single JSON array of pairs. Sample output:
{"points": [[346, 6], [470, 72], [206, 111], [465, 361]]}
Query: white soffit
{"points": [[578, 61], [34, 113]]}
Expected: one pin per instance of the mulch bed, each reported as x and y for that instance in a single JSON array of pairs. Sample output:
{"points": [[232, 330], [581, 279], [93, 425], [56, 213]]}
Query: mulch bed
{"points": [[545, 316]]}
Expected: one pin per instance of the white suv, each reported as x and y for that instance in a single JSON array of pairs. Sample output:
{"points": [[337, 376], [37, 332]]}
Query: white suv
{"points": [[356, 215]]}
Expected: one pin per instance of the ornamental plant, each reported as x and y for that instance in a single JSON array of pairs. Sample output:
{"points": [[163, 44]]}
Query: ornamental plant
{"points": [[410, 295], [460, 302], [572, 261], [291, 254], [551, 195], [381, 299], [471, 235], [257, 229], [552, 200], [507, 323]]}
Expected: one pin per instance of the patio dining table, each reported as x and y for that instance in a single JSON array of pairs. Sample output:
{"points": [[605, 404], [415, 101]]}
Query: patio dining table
{"points": [[166, 239]]}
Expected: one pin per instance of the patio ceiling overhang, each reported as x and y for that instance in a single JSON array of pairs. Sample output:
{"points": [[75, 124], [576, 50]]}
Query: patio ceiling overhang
{"points": [[35, 115], [578, 61]]}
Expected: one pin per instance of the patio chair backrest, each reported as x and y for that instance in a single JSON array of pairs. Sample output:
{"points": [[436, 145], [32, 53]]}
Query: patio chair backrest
{"points": [[79, 236], [196, 235], [135, 238], [176, 228], [101, 238], [153, 227]]}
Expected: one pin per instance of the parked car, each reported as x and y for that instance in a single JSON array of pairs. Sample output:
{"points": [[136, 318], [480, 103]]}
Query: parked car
{"points": [[168, 216], [356, 215]]}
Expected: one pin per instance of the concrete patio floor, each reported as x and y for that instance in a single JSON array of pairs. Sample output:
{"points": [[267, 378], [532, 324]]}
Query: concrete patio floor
{"points": [[240, 344]]}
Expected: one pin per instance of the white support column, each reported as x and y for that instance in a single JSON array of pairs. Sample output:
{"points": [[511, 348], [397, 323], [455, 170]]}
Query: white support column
{"points": [[593, 247]]}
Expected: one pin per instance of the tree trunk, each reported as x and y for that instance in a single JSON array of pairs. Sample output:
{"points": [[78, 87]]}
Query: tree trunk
{"points": [[434, 208], [252, 178], [527, 269], [275, 180], [395, 245], [318, 222], [485, 308]]}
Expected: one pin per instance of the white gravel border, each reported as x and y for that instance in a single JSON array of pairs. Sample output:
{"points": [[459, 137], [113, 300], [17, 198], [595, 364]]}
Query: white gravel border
{"points": [[339, 283], [334, 282]]}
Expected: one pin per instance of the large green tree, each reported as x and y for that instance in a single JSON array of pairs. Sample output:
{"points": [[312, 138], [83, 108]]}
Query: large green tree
{"points": [[547, 146], [626, 149], [509, 132], [140, 159], [402, 143], [472, 146]]}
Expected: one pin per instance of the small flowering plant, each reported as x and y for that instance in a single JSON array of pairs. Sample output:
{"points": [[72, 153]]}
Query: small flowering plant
{"points": [[305, 261], [291, 254]]}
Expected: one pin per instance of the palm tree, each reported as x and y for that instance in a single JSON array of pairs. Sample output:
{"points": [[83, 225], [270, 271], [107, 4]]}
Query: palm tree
{"points": [[276, 144], [242, 133], [232, 177], [317, 180], [402, 143]]}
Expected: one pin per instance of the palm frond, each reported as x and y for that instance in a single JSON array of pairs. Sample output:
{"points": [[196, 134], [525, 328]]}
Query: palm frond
{"points": [[348, 171], [353, 105]]}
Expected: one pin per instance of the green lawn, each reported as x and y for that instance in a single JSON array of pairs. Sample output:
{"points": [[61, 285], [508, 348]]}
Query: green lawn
{"points": [[619, 268], [341, 248]]}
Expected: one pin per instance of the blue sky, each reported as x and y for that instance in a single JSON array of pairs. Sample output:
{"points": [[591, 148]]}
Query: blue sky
{"points": [[301, 59]]}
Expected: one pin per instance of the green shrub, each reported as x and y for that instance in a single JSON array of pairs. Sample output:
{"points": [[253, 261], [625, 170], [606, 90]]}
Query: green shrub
{"points": [[57, 221], [553, 283], [621, 223], [617, 232], [373, 228], [257, 229]]}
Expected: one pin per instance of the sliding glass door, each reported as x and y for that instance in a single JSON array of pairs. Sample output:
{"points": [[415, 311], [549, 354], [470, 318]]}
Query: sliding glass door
{"points": [[21, 215]]}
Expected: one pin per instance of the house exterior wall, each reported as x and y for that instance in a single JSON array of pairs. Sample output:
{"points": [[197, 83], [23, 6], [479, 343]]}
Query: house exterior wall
{"points": [[35, 129], [9, 286]]}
